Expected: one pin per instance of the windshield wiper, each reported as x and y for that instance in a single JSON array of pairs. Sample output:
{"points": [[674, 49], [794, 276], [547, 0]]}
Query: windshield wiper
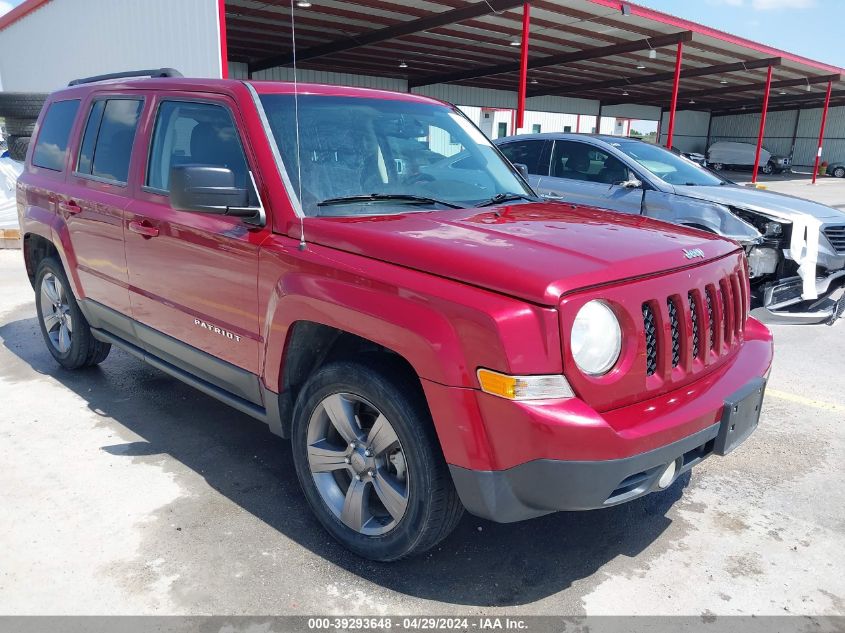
{"points": [[506, 197], [395, 197]]}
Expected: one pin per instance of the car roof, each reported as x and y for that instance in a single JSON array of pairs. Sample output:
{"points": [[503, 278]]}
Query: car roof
{"points": [[567, 136], [192, 84]]}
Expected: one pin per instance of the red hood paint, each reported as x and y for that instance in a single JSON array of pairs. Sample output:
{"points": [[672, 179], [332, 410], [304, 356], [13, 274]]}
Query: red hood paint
{"points": [[534, 251]]}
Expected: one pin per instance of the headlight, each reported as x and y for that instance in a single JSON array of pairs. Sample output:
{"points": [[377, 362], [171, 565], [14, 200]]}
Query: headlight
{"points": [[596, 338]]}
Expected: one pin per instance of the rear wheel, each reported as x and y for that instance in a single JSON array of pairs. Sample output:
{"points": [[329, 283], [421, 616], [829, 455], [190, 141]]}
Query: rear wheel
{"points": [[717, 166], [839, 172], [368, 460], [65, 330]]}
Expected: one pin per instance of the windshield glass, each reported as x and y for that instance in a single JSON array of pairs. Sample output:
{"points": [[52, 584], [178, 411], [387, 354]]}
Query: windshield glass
{"points": [[668, 166], [398, 150]]}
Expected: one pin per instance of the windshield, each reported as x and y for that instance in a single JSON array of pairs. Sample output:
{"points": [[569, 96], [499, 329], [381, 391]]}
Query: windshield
{"points": [[668, 166], [395, 156]]}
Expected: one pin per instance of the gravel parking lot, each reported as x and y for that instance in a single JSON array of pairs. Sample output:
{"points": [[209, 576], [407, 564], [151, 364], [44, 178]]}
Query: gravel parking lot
{"points": [[124, 491]]}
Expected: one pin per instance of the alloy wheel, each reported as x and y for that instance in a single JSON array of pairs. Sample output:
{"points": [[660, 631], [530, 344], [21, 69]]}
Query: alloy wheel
{"points": [[55, 312], [358, 464]]}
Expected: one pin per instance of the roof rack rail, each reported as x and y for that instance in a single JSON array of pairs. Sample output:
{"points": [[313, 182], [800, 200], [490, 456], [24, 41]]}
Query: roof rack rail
{"points": [[150, 72]]}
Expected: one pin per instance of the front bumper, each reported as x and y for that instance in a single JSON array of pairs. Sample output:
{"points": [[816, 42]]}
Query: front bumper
{"points": [[548, 485], [783, 303], [518, 460]]}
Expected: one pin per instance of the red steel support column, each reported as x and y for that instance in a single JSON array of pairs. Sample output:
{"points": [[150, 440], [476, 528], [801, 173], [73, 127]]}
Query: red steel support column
{"points": [[763, 113], [523, 61], [821, 131], [224, 52], [677, 81]]}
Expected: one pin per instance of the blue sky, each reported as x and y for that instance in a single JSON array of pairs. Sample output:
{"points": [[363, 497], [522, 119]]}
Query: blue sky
{"points": [[807, 27], [811, 28]]}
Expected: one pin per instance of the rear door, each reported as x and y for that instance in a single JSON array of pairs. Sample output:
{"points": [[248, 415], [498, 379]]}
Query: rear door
{"points": [[193, 276], [97, 192], [582, 173], [533, 153]]}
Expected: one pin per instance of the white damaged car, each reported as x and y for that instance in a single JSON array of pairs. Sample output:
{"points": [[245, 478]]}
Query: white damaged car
{"points": [[795, 247]]}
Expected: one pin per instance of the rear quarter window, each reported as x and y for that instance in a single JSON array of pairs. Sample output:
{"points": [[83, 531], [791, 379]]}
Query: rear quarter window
{"points": [[109, 135], [51, 147]]}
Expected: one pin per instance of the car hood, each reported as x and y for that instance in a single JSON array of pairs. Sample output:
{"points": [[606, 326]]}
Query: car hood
{"points": [[534, 251], [778, 205]]}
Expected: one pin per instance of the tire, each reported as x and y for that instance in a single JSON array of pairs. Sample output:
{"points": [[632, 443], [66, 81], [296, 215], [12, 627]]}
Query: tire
{"points": [[768, 168], [23, 105], [717, 166], [839, 172], [407, 466], [66, 332], [19, 127], [18, 145]]}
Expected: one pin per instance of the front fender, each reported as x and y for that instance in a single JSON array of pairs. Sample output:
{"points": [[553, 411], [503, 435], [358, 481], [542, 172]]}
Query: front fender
{"points": [[444, 329]]}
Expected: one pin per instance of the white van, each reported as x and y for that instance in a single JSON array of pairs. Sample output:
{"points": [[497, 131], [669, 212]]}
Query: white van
{"points": [[729, 154]]}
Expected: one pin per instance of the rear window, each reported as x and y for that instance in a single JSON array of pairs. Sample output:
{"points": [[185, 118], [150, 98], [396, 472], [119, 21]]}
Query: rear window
{"points": [[107, 143], [51, 147]]}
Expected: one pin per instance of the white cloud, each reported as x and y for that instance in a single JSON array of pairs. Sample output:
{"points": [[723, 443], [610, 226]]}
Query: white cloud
{"points": [[5, 7]]}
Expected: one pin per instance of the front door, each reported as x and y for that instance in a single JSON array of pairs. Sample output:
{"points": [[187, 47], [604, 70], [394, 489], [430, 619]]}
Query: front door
{"points": [[585, 174], [193, 276]]}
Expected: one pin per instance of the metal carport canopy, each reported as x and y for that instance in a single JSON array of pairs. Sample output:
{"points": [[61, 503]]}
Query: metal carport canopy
{"points": [[599, 50]]}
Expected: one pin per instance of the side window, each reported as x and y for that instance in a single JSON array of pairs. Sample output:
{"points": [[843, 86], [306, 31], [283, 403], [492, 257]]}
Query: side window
{"points": [[51, 147], [188, 133], [579, 161], [526, 152], [107, 142]]}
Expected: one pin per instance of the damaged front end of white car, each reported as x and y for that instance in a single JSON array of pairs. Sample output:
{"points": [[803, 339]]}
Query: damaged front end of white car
{"points": [[795, 249]]}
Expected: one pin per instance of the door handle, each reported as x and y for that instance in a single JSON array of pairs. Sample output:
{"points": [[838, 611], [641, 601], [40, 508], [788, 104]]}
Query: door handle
{"points": [[70, 207], [143, 228]]}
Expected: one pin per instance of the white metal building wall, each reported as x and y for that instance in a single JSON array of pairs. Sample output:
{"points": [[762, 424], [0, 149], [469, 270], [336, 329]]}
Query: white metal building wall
{"points": [[743, 128], [66, 39], [470, 100], [690, 133], [807, 140]]}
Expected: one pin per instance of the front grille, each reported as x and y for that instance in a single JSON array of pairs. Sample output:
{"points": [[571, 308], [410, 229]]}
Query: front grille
{"points": [[676, 332], [836, 237], [693, 310], [675, 338], [711, 322], [650, 328]]}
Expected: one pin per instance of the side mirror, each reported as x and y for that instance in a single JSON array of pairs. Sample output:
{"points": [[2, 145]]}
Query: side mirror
{"points": [[633, 183], [208, 189], [522, 168]]}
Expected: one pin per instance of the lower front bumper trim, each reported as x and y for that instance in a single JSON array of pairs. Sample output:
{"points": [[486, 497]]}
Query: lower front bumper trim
{"points": [[543, 486]]}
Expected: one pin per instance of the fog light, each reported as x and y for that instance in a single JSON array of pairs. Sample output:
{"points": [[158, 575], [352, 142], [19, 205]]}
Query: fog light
{"points": [[667, 477]]}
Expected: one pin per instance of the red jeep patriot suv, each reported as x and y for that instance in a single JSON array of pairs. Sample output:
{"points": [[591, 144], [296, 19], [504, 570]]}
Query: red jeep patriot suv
{"points": [[364, 272]]}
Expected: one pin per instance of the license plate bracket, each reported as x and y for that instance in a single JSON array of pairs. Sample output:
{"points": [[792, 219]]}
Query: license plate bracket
{"points": [[740, 416]]}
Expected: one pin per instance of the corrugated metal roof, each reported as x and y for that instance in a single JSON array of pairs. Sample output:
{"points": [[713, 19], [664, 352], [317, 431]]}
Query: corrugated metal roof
{"points": [[343, 36]]}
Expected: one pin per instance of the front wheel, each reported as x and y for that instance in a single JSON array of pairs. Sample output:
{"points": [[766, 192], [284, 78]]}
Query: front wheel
{"points": [[368, 460], [768, 168], [839, 172], [65, 330], [717, 166]]}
